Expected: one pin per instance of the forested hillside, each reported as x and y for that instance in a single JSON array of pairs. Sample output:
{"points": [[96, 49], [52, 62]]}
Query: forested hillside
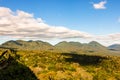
{"points": [[28, 45]]}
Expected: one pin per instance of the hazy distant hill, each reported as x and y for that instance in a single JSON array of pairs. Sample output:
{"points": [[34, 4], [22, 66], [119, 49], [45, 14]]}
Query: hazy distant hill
{"points": [[68, 46], [115, 47], [28, 45], [76, 46], [95, 46]]}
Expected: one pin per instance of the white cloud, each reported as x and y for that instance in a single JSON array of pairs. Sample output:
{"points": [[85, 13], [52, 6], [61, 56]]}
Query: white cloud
{"points": [[100, 5], [5, 12], [108, 39], [24, 25]]}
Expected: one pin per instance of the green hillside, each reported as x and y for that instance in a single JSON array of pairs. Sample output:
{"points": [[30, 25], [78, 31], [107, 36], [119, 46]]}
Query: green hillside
{"points": [[68, 46], [94, 46], [78, 47], [28, 45]]}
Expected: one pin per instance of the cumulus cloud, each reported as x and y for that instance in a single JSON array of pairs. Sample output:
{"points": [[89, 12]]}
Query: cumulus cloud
{"points": [[100, 5], [23, 25]]}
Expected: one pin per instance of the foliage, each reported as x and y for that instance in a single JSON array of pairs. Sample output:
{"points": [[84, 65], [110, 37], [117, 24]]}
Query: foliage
{"points": [[71, 66], [82, 62]]}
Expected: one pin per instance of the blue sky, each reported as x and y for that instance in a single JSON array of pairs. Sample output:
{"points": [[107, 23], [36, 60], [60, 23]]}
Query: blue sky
{"points": [[97, 18]]}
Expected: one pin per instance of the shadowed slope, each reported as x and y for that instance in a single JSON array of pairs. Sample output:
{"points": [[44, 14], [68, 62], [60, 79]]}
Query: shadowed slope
{"points": [[83, 59], [12, 69]]}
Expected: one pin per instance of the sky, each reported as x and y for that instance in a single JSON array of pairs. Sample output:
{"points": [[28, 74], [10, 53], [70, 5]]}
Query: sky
{"points": [[60, 20]]}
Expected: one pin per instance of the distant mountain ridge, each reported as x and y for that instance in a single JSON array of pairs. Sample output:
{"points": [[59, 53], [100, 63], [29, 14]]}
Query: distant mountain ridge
{"points": [[68, 46], [27, 45], [75, 46], [93, 45], [115, 47], [62, 46]]}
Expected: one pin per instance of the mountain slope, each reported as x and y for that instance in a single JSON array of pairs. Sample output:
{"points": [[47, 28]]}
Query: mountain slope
{"points": [[76, 46], [68, 46], [28, 45], [115, 47], [95, 46]]}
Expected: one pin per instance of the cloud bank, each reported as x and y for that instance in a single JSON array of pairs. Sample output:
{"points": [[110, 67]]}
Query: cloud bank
{"points": [[23, 25], [100, 5]]}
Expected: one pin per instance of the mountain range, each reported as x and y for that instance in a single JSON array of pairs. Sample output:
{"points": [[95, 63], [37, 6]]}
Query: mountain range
{"points": [[77, 46], [27, 45], [63, 46]]}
